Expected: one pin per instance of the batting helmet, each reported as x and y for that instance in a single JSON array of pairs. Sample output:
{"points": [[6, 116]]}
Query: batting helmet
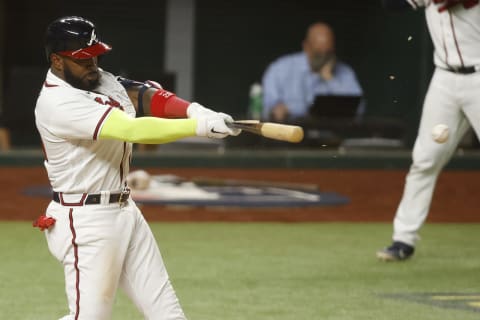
{"points": [[73, 37]]}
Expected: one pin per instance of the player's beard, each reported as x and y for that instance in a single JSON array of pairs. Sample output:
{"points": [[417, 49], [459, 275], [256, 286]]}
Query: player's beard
{"points": [[81, 83]]}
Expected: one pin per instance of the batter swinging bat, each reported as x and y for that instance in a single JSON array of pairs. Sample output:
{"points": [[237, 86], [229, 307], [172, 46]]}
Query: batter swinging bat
{"points": [[270, 130]]}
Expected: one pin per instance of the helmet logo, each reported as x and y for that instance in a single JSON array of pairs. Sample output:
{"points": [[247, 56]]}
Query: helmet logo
{"points": [[93, 38]]}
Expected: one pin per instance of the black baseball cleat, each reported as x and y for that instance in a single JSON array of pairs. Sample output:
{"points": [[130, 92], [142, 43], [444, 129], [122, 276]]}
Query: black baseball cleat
{"points": [[398, 251]]}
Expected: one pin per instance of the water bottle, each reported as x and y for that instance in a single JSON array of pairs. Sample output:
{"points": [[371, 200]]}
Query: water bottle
{"points": [[255, 103]]}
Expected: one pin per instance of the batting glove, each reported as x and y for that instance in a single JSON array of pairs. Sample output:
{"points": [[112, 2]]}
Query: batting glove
{"points": [[212, 126], [228, 119], [196, 110]]}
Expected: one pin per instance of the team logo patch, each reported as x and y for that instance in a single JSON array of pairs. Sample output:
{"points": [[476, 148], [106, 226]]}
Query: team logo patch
{"points": [[449, 300], [110, 102], [93, 38]]}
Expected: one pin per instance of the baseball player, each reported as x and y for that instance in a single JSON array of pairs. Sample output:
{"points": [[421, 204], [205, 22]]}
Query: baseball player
{"points": [[452, 99], [86, 120]]}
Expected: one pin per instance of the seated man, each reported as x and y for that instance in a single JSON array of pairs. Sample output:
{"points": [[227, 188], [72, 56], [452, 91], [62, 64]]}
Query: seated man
{"points": [[291, 83]]}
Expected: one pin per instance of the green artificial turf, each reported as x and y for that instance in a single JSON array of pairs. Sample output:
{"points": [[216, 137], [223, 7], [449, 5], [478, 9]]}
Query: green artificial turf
{"points": [[270, 271]]}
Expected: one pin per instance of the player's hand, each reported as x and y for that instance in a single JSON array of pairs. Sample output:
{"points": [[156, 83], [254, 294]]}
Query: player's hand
{"points": [[196, 110], [228, 119], [213, 126]]}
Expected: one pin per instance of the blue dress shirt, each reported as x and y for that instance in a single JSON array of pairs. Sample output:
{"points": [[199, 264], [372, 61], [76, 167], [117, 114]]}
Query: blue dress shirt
{"points": [[289, 80]]}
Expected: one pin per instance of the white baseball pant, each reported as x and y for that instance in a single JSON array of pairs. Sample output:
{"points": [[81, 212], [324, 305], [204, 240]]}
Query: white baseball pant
{"points": [[106, 245], [452, 99]]}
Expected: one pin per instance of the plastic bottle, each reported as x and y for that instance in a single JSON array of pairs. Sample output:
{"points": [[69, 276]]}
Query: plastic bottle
{"points": [[255, 104]]}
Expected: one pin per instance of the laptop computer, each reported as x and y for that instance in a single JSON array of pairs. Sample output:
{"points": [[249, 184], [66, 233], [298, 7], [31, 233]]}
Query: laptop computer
{"points": [[335, 106]]}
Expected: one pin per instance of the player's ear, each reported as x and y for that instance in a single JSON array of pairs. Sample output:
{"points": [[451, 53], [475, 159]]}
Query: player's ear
{"points": [[56, 62]]}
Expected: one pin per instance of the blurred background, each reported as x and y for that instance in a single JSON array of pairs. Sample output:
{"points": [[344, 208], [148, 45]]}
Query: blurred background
{"points": [[212, 51]]}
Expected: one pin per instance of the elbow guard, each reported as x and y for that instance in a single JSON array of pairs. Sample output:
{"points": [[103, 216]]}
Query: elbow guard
{"points": [[166, 104]]}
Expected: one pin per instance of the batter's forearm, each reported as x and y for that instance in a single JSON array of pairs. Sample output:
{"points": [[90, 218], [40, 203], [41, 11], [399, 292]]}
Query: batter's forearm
{"points": [[147, 130], [150, 98]]}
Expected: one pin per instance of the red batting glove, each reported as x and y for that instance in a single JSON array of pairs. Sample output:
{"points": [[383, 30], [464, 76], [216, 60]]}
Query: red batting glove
{"points": [[43, 222]]}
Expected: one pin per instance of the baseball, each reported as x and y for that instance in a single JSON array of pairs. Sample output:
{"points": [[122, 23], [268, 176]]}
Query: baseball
{"points": [[138, 180], [440, 133]]}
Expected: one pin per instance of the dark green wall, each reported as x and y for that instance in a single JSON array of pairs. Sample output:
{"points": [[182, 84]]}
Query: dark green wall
{"points": [[135, 30], [236, 39]]}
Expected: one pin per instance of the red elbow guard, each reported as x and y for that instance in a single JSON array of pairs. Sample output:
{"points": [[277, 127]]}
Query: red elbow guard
{"points": [[166, 104]]}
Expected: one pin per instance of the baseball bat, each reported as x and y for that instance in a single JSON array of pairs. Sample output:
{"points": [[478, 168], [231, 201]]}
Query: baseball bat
{"points": [[277, 131]]}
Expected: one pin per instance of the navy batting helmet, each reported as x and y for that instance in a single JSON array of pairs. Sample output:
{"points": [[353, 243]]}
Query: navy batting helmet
{"points": [[73, 37]]}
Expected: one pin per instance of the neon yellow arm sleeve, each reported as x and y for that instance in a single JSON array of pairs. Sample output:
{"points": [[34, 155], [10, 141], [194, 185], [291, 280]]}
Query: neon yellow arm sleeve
{"points": [[149, 130]]}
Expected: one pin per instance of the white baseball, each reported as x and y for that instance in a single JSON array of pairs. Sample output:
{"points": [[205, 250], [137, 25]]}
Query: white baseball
{"points": [[440, 133], [138, 180]]}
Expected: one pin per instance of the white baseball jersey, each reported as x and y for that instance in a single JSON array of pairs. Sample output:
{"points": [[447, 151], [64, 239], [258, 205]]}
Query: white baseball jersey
{"points": [[69, 120], [455, 33]]}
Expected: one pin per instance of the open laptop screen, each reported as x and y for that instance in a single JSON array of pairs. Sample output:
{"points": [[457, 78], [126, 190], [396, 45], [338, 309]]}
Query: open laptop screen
{"points": [[335, 106]]}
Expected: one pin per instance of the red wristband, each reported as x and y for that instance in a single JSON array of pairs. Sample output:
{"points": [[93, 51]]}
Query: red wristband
{"points": [[166, 104]]}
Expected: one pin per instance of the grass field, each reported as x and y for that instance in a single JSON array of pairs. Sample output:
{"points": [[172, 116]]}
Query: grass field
{"points": [[271, 271]]}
